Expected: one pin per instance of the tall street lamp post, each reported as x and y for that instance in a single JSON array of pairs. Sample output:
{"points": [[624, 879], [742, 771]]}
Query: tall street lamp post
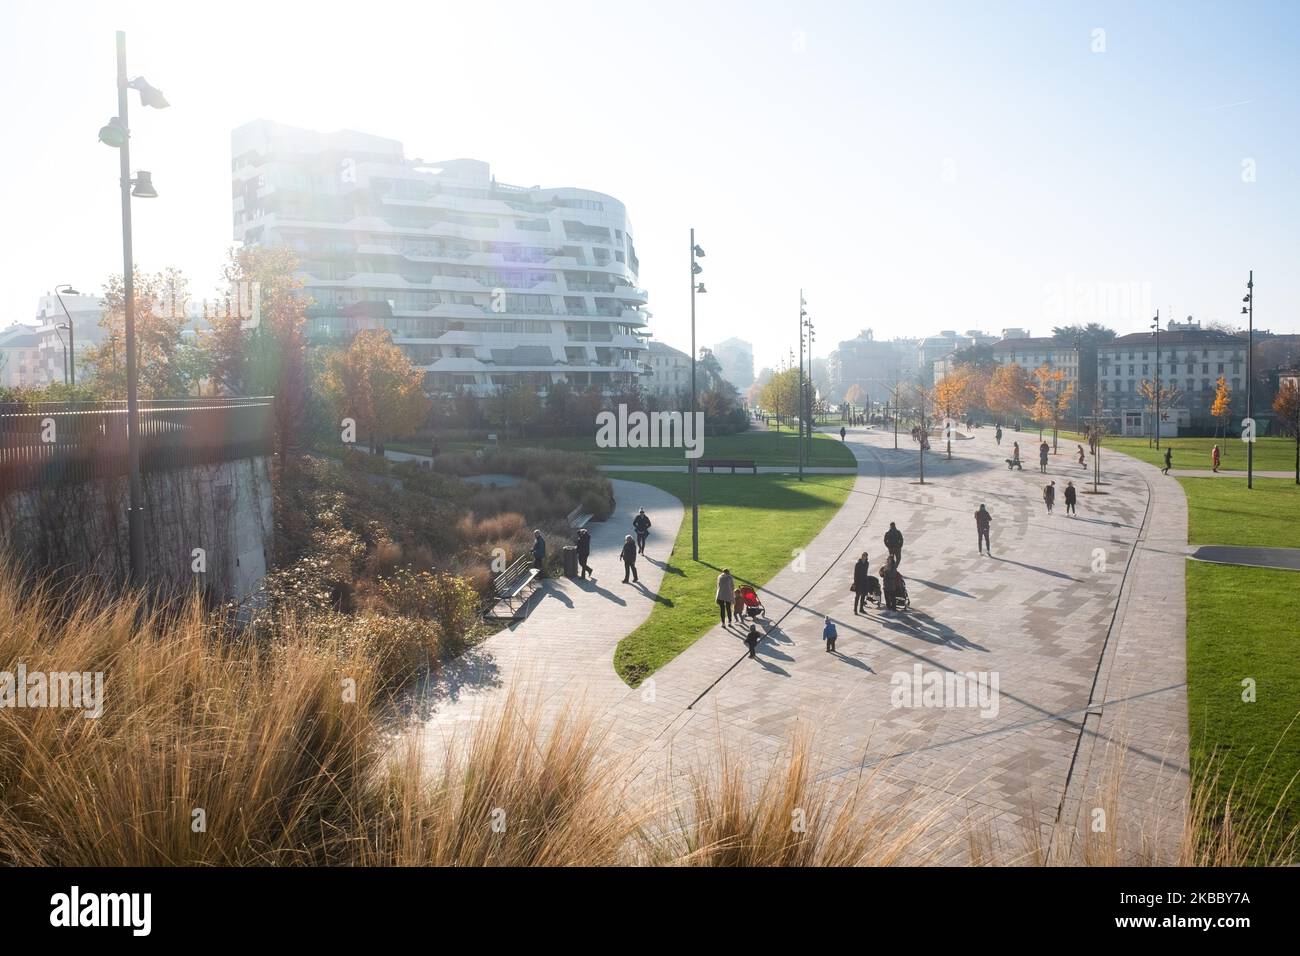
{"points": [[696, 253], [810, 403], [70, 356], [1155, 325], [803, 314], [117, 134], [1248, 310]]}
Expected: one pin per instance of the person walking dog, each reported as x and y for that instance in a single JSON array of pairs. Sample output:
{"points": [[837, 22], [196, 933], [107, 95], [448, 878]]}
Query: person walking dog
{"points": [[641, 525], [982, 521], [725, 595], [629, 559]]}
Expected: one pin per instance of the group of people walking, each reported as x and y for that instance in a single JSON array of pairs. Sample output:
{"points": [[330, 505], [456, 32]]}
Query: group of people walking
{"points": [[582, 543]]}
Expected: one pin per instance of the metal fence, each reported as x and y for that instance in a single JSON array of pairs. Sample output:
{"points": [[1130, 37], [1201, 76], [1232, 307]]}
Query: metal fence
{"points": [[45, 443]]}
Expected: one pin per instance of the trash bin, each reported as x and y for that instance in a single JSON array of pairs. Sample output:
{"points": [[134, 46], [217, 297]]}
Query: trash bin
{"points": [[570, 554]]}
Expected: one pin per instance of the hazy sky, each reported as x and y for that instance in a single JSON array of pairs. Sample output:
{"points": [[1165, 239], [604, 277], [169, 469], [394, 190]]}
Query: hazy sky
{"points": [[914, 166]]}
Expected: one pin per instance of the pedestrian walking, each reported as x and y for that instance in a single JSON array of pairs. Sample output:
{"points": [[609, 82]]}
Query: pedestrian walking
{"points": [[1169, 461], [1015, 453], [539, 554], [584, 552], [629, 560], [751, 640], [1214, 458], [641, 525], [894, 542], [982, 521], [997, 436], [1071, 496], [1083, 462], [1043, 451], [861, 580], [829, 635], [843, 433], [725, 595], [1049, 495]]}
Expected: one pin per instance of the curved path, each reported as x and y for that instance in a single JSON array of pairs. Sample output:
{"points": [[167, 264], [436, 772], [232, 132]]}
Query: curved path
{"points": [[1080, 620]]}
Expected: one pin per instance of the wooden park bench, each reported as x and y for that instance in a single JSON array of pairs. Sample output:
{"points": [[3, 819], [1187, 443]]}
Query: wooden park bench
{"points": [[507, 587], [732, 463], [578, 518]]}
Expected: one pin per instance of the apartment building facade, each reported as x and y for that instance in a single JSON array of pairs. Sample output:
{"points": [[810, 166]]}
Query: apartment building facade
{"points": [[1190, 360], [875, 367], [670, 371], [483, 285]]}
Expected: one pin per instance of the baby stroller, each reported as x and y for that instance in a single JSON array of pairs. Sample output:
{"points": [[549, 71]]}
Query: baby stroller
{"points": [[753, 606], [874, 594]]}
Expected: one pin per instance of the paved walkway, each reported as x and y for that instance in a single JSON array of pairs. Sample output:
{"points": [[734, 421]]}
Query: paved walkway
{"points": [[1080, 620]]}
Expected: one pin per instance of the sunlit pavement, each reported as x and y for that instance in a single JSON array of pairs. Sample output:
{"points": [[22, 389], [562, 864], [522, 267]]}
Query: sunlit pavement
{"points": [[1081, 620]]}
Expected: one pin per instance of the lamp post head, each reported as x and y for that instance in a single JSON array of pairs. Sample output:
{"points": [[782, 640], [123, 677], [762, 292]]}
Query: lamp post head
{"points": [[700, 288], [143, 184], [149, 95], [113, 133], [699, 253], [695, 269]]}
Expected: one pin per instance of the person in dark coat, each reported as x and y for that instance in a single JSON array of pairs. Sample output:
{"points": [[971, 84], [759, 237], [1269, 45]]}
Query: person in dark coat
{"points": [[539, 554], [1071, 496], [1043, 451], [752, 639], [1049, 495], [889, 582], [641, 525], [861, 577], [629, 559], [1169, 461], [997, 435], [894, 542], [982, 521], [843, 433], [584, 552]]}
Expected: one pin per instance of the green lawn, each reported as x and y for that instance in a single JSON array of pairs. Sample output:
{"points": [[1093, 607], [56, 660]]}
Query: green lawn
{"points": [[750, 524], [1223, 511], [767, 448], [1271, 454], [1241, 623]]}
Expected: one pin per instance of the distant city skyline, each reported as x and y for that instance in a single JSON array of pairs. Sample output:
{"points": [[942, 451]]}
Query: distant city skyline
{"points": [[913, 167]]}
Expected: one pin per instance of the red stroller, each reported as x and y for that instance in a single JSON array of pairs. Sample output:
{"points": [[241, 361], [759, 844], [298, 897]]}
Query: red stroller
{"points": [[753, 606]]}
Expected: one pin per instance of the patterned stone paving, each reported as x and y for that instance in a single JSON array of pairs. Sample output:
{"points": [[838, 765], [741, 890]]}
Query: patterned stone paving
{"points": [[1080, 619]]}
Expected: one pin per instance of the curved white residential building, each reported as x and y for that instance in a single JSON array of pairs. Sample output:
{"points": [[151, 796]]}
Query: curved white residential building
{"points": [[482, 284]]}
